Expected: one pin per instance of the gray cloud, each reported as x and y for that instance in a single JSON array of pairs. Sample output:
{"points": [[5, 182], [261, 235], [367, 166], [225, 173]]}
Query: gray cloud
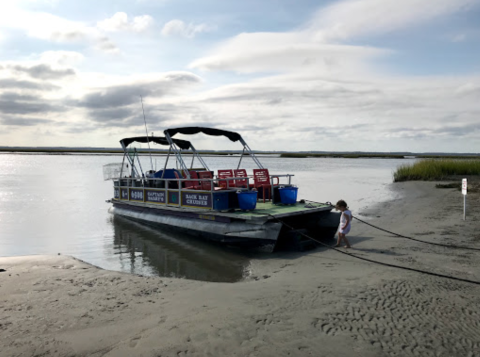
{"points": [[332, 128], [13, 103], [111, 115], [105, 44], [12, 96], [129, 94], [20, 84], [19, 121], [457, 130], [43, 71], [78, 129], [68, 35], [116, 96], [9, 107], [277, 95]]}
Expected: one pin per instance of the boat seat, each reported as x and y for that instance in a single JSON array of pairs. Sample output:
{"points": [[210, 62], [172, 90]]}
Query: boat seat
{"points": [[261, 178], [193, 184], [225, 174], [207, 185], [189, 184], [241, 182]]}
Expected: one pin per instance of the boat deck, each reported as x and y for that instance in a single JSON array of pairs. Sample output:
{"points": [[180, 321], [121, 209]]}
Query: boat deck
{"points": [[267, 209], [263, 212]]}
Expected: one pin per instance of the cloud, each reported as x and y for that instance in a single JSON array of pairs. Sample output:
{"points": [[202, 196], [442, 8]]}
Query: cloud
{"points": [[120, 22], [321, 112], [314, 88], [458, 130], [12, 96], [113, 114], [43, 71], [347, 19], [62, 58], [270, 52], [104, 44], [118, 104], [19, 121], [181, 29], [53, 28], [317, 46], [13, 103], [468, 89], [127, 94], [48, 27], [114, 103], [461, 37], [13, 83]]}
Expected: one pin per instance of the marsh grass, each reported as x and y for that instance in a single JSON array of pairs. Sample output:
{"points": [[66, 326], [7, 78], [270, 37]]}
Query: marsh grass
{"points": [[436, 169]]}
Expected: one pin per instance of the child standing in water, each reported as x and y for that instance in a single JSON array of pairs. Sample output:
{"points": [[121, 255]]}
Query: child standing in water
{"points": [[345, 223]]}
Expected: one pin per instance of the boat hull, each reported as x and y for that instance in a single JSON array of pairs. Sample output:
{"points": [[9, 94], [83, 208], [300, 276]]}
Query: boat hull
{"points": [[232, 228], [209, 226]]}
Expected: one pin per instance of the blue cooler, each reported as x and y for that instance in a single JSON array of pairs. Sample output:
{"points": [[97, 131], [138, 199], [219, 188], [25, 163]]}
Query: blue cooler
{"points": [[288, 195], [247, 200], [220, 201]]}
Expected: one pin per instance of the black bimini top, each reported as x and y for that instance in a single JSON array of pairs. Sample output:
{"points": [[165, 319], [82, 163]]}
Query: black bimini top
{"points": [[208, 131], [182, 144]]}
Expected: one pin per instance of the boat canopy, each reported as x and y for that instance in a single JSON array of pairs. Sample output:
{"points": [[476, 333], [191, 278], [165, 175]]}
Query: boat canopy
{"points": [[182, 144], [208, 131]]}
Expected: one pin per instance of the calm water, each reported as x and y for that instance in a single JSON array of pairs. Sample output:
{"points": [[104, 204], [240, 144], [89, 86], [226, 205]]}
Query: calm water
{"points": [[53, 204]]}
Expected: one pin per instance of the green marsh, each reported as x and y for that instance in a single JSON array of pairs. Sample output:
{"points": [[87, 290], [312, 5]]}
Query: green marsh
{"points": [[436, 169]]}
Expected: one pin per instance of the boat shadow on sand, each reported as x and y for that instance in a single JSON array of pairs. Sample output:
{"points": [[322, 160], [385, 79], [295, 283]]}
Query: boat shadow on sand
{"points": [[291, 252]]}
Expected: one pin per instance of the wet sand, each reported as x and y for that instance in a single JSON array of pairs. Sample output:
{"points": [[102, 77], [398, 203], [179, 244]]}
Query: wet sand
{"points": [[317, 303]]}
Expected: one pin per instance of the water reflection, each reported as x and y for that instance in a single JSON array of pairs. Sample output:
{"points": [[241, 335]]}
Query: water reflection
{"points": [[149, 250]]}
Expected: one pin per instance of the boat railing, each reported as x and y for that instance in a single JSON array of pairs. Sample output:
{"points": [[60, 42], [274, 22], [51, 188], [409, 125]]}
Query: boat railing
{"points": [[170, 191], [165, 183], [289, 176], [215, 182]]}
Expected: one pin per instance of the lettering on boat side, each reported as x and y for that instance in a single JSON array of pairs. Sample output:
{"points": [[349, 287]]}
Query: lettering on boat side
{"points": [[203, 216], [124, 193], [136, 194], [155, 196], [197, 200]]}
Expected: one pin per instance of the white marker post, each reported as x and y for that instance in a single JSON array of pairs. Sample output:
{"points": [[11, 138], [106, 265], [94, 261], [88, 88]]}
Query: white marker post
{"points": [[464, 193]]}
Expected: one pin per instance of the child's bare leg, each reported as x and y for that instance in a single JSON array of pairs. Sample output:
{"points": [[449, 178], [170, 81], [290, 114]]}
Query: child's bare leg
{"points": [[339, 240], [347, 243]]}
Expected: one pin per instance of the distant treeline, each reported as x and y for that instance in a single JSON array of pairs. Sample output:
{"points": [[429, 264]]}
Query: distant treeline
{"points": [[348, 155], [63, 151], [375, 155]]}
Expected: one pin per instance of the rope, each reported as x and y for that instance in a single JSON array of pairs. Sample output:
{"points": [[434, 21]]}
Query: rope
{"points": [[418, 240], [406, 237], [381, 263]]}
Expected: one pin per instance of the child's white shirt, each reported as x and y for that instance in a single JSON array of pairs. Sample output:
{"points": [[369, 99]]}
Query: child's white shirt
{"points": [[343, 219]]}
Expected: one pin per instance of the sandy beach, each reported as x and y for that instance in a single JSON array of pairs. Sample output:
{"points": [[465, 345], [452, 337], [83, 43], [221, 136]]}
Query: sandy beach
{"points": [[315, 303]]}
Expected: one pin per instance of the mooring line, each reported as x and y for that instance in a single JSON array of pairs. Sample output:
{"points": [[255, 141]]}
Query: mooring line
{"points": [[379, 262], [417, 240], [406, 237]]}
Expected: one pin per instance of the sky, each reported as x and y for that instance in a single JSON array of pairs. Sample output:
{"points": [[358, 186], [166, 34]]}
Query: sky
{"points": [[348, 75]]}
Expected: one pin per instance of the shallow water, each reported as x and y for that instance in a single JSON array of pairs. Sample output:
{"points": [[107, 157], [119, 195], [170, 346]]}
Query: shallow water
{"points": [[53, 204]]}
